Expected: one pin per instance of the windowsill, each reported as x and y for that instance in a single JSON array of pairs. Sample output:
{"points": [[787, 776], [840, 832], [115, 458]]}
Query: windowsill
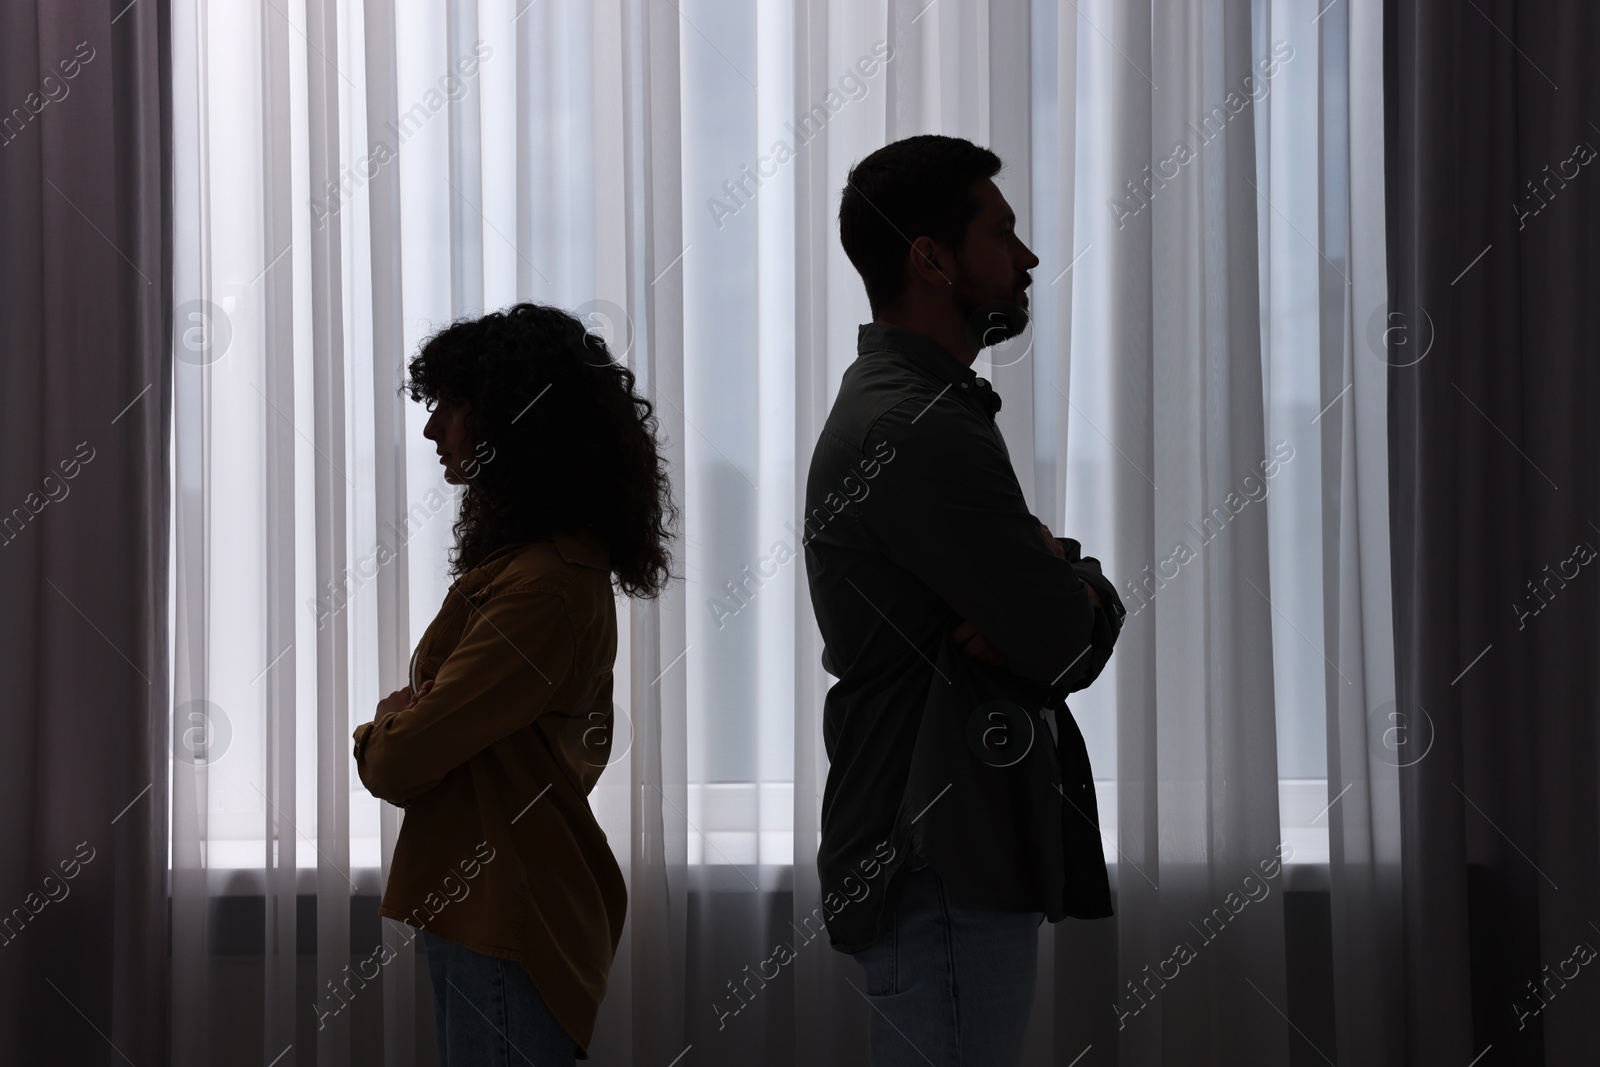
{"points": [[746, 859], [1299, 876]]}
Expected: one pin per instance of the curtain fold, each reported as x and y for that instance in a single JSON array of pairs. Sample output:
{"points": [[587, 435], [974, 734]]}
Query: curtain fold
{"points": [[393, 589], [1368, 741], [281, 1002], [657, 869], [820, 973], [85, 341], [1196, 743], [1493, 483]]}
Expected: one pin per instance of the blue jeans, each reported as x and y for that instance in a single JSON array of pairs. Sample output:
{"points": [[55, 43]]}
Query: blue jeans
{"points": [[950, 983], [486, 1010]]}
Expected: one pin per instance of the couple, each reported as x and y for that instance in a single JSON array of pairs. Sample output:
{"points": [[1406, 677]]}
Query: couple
{"points": [[953, 620]]}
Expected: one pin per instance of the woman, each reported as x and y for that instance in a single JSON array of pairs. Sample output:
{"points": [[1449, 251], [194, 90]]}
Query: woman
{"points": [[506, 726]]}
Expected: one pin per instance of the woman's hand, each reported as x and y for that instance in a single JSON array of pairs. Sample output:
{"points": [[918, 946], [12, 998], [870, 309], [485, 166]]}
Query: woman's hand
{"points": [[400, 700]]}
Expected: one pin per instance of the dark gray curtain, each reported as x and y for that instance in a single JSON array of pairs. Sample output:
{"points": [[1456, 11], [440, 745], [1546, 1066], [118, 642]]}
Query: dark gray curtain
{"points": [[1494, 218], [84, 385]]}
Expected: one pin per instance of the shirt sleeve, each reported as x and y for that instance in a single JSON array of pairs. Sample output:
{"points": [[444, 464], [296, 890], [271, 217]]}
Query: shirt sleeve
{"points": [[515, 653], [1108, 615], [947, 508], [1088, 568]]}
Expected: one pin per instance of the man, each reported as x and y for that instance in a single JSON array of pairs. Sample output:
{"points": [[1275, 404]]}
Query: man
{"points": [[955, 623]]}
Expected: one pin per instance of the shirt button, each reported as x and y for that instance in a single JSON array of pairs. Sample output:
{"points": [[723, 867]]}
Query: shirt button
{"points": [[963, 385]]}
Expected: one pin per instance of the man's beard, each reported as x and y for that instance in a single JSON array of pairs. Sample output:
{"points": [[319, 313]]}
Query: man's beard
{"points": [[991, 322]]}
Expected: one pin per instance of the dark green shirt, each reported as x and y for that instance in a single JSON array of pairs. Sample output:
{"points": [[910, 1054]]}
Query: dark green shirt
{"points": [[915, 522]]}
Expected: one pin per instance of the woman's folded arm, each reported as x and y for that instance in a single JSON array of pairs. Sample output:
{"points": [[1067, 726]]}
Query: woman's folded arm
{"points": [[515, 654]]}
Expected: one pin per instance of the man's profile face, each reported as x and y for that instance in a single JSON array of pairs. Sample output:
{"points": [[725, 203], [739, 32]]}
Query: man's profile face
{"points": [[993, 267]]}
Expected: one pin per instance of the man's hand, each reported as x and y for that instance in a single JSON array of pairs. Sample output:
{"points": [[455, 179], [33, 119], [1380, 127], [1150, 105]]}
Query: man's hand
{"points": [[1061, 553], [1050, 539], [975, 644], [400, 700]]}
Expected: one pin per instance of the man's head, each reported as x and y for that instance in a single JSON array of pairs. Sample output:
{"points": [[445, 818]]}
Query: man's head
{"points": [[934, 240]]}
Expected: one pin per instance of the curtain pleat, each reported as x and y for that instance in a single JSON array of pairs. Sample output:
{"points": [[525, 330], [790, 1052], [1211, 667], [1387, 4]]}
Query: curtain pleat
{"points": [[281, 1002], [327, 432], [401, 1005], [1492, 124], [85, 340], [1197, 779], [657, 869], [819, 972], [195, 310], [1364, 755]]}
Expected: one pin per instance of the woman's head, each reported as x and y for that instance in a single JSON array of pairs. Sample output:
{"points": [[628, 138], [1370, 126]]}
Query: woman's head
{"points": [[543, 428]]}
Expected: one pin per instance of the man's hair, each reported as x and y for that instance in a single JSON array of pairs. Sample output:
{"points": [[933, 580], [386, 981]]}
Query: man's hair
{"points": [[917, 187]]}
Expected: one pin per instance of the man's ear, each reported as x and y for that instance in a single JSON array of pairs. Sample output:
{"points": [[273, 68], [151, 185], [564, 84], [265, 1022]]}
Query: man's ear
{"points": [[929, 261]]}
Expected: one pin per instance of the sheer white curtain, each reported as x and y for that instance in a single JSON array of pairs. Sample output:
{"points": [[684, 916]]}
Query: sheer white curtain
{"points": [[351, 176]]}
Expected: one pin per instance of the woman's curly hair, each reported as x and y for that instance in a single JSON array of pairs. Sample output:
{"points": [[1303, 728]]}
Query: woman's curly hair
{"points": [[562, 443]]}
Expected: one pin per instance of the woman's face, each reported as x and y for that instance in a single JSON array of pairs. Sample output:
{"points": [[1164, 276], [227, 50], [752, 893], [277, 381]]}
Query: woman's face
{"points": [[447, 429]]}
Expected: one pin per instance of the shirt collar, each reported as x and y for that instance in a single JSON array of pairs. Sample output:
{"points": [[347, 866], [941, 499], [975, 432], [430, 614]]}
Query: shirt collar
{"points": [[579, 547], [930, 356], [584, 548]]}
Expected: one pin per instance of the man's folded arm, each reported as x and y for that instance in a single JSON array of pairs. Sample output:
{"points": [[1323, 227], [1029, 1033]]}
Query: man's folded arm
{"points": [[948, 509], [516, 651], [1108, 614], [1088, 568]]}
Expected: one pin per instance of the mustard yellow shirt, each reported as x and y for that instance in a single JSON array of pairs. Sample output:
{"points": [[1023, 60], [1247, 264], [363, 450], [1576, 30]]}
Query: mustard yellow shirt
{"points": [[499, 850]]}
